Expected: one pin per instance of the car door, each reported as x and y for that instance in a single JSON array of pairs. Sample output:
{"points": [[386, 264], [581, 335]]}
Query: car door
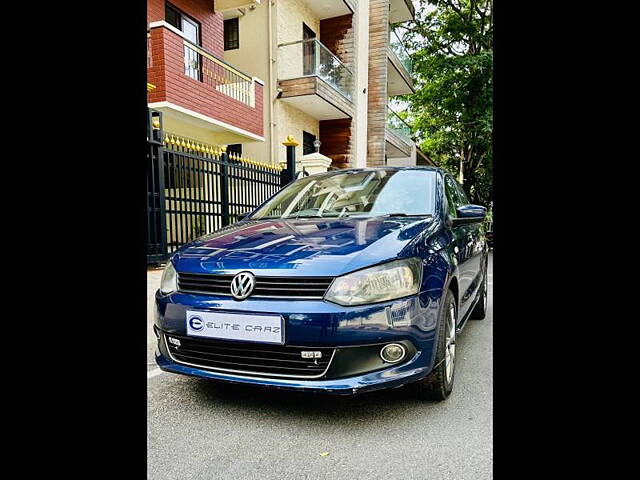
{"points": [[474, 243], [460, 245]]}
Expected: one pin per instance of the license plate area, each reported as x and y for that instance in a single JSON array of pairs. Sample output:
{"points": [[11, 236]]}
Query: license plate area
{"points": [[257, 328]]}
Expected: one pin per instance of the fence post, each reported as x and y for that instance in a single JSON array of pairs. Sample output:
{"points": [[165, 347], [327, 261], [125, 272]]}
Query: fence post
{"points": [[289, 173], [155, 139], [224, 186]]}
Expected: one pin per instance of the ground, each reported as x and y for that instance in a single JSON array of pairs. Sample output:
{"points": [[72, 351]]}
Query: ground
{"points": [[197, 429]]}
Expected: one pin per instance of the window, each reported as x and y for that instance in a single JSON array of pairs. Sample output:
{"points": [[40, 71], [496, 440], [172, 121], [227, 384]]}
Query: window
{"points": [[308, 51], [464, 200], [451, 191], [172, 17], [191, 31], [236, 149], [307, 143], [354, 194], [231, 34], [182, 22]]}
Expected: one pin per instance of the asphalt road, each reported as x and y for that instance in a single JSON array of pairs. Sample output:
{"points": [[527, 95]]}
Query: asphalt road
{"points": [[197, 429]]}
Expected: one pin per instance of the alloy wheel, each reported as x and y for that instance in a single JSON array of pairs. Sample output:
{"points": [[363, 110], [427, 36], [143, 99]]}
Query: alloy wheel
{"points": [[450, 343]]}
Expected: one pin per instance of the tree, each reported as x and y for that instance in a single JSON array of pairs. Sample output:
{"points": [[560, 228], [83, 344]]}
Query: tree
{"points": [[451, 112]]}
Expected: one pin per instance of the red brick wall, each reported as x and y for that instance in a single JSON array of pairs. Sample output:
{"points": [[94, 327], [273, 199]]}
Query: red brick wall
{"points": [[211, 23], [172, 85]]}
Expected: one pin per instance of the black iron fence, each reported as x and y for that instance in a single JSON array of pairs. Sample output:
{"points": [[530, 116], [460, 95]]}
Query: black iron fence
{"points": [[194, 189]]}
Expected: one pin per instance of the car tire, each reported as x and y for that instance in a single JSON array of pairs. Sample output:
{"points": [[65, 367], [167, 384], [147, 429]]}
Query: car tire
{"points": [[480, 310], [439, 383]]}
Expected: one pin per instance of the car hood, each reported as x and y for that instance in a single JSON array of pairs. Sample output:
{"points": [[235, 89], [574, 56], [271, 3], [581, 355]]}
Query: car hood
{"points": [[311, 247]]}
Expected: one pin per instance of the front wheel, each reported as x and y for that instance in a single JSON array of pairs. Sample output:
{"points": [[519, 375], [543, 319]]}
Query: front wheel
{"points": [[439, 383]]}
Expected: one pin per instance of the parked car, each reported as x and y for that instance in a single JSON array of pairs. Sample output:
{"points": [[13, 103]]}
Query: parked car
{"points": [[342, 282]]}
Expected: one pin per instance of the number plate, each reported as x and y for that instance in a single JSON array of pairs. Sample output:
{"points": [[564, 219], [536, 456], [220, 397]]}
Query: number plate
{"points": [[236, 326]]}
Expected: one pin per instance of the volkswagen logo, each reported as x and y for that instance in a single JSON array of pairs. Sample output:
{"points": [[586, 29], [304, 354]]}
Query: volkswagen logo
{"points": [[242, 285]]}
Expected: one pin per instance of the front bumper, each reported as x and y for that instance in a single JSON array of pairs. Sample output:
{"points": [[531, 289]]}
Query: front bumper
{"points": [[411, 321]]}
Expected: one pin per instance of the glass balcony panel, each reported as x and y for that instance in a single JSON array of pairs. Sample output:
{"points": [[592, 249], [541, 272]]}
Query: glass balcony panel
{"points": [[310, 58], [398, 126], [397, 45]]}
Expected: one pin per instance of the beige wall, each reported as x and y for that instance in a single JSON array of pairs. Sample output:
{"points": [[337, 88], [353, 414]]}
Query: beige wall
{"points": [[253, 58], [291, 121], [205, 135], [291, 15]]}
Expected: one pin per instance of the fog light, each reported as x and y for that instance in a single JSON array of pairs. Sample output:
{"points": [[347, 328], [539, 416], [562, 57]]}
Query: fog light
{"points": [[174, 341], [393, 353]]}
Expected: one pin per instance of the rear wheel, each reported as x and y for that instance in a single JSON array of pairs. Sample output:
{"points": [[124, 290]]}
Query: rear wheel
{"points": [[439, 383]]}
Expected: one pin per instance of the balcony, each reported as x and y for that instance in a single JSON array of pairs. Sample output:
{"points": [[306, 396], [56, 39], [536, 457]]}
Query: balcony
{"points": [[314, 80], [397, 135], [330, 8], [399, 78], [401, 11], [195, 87]]}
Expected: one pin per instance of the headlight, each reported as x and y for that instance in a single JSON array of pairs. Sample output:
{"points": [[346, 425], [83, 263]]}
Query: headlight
{"points": [[388, 281], [169, 282]]}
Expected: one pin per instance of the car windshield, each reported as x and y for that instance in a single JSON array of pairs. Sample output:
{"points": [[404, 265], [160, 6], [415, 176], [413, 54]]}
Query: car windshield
{"points": [[360, 193]]}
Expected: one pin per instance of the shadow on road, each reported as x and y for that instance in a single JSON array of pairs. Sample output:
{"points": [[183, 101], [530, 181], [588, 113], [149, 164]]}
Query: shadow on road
{"points": [[261, 401]]}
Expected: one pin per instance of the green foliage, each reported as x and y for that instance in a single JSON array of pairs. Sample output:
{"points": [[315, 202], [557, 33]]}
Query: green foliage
{"points": [[452, 110]]}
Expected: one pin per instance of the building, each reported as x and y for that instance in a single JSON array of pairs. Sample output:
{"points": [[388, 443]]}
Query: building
{"points": [[249, 73]]}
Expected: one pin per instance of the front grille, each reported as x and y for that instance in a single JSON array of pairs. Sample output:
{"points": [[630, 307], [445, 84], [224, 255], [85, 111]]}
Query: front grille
{"points": [[272, 287], [250, 358]]}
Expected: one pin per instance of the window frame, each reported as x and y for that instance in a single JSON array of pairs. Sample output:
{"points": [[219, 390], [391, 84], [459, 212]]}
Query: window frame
{"points": [[454, 190], [304, 144], [230, 21], [182, 17]]}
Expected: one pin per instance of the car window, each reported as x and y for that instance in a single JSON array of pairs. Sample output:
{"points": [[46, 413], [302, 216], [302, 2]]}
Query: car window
{"points": [[462, 196], [452, 196], [354, 193]]}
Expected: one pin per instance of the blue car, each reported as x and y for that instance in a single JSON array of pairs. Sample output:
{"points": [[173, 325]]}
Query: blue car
{"points": [[343, 282]]}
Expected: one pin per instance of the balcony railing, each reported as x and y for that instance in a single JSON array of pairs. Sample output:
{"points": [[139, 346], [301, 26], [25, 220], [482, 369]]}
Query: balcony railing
{"points": [[306, 58], [397, 45], [398, 125], [210, 70]]}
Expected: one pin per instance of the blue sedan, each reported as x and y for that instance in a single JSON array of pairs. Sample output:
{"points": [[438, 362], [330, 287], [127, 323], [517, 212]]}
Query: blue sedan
{"points": [[343, 282]]}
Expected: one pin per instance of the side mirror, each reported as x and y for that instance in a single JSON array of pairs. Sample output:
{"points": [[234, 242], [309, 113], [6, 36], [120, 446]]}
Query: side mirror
{"points": [[469, 214], [242, 216]]}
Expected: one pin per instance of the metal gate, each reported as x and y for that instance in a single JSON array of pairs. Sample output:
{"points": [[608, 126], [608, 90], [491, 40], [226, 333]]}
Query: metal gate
{"points": [[194, 188]]}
